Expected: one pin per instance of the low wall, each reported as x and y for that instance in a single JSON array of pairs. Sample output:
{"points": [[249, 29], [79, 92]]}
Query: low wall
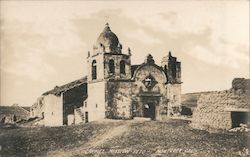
{"points": [[211, 108]]}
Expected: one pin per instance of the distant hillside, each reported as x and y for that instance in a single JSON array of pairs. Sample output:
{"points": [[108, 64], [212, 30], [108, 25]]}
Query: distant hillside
{"points": [[190, 99], [19, 112]]}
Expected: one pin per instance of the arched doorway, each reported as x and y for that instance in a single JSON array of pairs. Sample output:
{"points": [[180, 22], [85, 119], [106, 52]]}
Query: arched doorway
{"points": [[149, 110], [149, 103]]}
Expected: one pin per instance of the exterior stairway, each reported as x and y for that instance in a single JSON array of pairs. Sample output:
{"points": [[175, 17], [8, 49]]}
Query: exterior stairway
{"points": [[80, 113]]}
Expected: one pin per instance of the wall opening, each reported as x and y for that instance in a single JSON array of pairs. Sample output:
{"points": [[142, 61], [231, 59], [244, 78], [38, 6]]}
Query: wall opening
{"points": [[86, 117], [185, 110], [174, 71], [149, 110], [94, 73], [122, 67], [165, 68], [239, 118], [112, 66]]}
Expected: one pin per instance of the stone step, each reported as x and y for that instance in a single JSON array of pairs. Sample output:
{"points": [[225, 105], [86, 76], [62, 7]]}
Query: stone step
{"points": [[142, 119]]}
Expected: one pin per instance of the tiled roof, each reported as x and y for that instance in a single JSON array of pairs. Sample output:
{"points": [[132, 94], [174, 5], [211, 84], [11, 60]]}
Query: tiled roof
{"points": [[60, 89]]}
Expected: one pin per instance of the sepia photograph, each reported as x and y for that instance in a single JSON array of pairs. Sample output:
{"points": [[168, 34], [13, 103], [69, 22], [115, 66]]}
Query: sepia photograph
{"points": [[109, 78]]}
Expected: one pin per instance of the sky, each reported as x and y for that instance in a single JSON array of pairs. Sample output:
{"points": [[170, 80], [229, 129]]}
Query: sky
{"points": [[45, 43]]}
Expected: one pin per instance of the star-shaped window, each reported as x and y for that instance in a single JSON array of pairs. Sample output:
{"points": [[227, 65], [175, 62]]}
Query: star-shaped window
{"points": [[149, 82]]}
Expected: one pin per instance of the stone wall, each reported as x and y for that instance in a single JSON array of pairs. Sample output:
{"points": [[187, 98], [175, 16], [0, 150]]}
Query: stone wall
{"points": [[119, 100], [211, 111]]}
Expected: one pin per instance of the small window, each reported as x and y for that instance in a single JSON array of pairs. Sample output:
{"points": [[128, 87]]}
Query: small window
{"points": [[94, 73], [52, 113], [86, 117], [174, 71], [174, 98], [122, 67], [112, 66], [85, 103], [96, 105]]}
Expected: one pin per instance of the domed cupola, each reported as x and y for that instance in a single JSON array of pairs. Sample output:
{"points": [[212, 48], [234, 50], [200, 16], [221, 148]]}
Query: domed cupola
{"points": [[108, 41]]}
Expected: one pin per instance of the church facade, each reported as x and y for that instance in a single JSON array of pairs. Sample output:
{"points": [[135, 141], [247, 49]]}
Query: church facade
{"points": [[119, 90], [114, 88]]}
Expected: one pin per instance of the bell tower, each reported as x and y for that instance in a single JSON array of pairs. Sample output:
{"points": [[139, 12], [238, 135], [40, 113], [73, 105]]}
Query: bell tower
{"points": [[107, 60], [106, 63]]}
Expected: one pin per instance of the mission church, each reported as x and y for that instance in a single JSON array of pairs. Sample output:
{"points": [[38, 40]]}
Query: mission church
{"points": [[114, 88]]}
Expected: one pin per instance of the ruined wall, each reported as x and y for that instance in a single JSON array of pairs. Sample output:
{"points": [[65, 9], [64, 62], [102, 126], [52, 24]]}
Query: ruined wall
{"points": [[118, 99], [211, 110], [12, 114], [241, 84], [37, 110], [53, 110], [172, 68]]}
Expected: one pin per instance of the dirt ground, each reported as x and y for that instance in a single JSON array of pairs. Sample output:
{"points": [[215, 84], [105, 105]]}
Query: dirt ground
{"points": [[122, 138]]}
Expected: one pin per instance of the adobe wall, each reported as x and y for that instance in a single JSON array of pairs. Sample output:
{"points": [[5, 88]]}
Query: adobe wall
{"points": [[53, 110], [211, 108], [95, 101]]}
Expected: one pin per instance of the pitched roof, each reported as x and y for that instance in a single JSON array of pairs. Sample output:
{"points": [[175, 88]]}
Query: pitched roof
{"points": [[61, 89]]}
